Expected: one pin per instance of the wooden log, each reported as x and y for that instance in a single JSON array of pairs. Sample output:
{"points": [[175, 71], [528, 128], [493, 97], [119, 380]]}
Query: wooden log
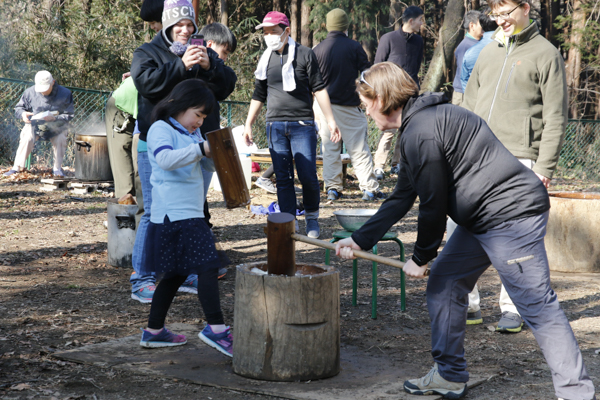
{"points": [[229, 168], [572, 232], [287, 328], [281, 249]]}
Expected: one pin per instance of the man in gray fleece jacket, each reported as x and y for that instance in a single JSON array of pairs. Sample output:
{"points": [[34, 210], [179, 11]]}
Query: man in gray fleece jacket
{"points": [[518, 86]]}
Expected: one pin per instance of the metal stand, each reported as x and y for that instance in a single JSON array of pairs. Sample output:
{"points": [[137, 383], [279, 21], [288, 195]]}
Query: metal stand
{"points": [[388, 236]]}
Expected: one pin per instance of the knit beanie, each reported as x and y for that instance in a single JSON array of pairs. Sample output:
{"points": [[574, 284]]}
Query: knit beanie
{"points": [[152, 10], [175, 11], [337, 20]]}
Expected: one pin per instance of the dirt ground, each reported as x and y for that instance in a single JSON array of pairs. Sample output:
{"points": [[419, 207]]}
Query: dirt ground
{"points": [[57, 292]]}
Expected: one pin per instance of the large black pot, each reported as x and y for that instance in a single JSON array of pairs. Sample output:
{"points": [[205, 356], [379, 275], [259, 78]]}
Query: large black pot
{"points": [[91, 157]]}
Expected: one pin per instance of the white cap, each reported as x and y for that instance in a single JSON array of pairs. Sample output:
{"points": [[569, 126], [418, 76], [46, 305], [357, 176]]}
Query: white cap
{"points": [[43, 81]]}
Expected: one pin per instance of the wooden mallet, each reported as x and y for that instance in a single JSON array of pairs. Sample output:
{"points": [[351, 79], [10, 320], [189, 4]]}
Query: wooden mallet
{"points": [[281, 249]]}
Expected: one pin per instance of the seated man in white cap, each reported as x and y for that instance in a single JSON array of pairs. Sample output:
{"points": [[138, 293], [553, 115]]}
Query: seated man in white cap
{"points": [[58, 102]]}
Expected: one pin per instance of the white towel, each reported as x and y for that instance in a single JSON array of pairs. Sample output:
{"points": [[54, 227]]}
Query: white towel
{"points": [[287, 71]]}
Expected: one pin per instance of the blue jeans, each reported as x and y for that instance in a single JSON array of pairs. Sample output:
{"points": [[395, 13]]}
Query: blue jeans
{"points": [[289, 142], [137, 280], [516, 249]]}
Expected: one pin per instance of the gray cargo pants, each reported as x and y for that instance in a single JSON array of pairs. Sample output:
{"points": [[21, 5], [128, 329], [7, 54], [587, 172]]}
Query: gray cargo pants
{"points": [[516, 249]]}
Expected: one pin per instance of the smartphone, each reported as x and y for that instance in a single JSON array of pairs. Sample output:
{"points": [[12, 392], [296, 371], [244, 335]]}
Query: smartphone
{"points": [[197, 40]]}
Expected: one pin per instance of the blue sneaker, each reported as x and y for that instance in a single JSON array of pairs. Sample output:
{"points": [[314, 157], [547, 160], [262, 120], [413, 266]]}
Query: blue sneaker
{"points": [[395, 169], [333, 194], [164, 338], [312, 228], [58, 172], [221, 341], [370, 196], [10, 172], [189, 286], [144, 295]]}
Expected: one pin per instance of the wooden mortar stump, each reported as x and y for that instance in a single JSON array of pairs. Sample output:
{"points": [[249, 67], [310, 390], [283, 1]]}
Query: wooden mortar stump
{"points": [[572, 232], [287, 328]]}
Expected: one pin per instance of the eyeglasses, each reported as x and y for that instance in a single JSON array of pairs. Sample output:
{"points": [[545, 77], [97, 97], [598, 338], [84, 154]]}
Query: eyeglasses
{"points": [[504, 15], [363, 80]]}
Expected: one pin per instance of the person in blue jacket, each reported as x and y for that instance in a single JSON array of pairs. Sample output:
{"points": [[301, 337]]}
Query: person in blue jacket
{"points": [[178, 241], [488, 26]]}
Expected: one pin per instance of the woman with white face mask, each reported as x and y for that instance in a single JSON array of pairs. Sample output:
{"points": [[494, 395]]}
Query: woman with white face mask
{"points": [[288, 74]]}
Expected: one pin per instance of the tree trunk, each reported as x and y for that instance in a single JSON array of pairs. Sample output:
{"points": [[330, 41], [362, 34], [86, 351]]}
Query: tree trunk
{"points": [[573, 64], [211, 16], [196, 7], [444, 51], [295, 20], [224, 13], [550, 9], [597, 115], [278, 5], [306, 37], [395, 14], [475, 5], [369, 42]]}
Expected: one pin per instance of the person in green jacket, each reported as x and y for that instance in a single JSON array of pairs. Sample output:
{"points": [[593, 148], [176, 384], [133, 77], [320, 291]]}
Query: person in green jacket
{"points": [[121, 113], [518, 86]]}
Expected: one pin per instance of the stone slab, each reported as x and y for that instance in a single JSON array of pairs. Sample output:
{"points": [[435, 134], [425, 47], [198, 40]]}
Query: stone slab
{"points": [[364, 374]]}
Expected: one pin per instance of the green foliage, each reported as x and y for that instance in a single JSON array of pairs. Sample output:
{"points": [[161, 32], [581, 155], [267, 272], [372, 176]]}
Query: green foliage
{"points": [[84, 48], [245, 58], [364, 16]]}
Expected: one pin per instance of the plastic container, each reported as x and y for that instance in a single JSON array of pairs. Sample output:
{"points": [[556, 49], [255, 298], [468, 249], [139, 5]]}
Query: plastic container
{"points": [[121, 233], [247, 168]]}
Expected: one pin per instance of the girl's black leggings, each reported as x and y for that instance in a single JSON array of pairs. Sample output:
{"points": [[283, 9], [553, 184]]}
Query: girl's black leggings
{"points": [[208, 294]]}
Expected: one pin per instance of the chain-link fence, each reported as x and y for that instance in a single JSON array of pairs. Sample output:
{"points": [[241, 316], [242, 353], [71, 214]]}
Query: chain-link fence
{"points": [[580, 155]]}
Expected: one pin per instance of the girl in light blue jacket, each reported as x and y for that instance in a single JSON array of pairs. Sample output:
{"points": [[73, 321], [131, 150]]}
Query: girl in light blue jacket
{"points": [[179, 242]]}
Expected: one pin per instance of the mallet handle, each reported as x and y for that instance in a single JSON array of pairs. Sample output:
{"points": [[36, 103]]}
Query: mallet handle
{"points": [[357, 253]]}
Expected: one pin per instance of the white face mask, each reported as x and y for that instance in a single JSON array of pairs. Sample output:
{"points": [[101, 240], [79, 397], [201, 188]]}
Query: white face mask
{"points": [[274, 42]]}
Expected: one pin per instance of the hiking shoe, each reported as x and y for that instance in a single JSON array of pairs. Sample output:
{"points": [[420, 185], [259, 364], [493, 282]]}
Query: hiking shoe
{"points": [[395, 169], [510, 322], [266, 184], [58, 172], [474, 318], [333, 194], [10, 172], [379, 174], [433, 383], [189, 286], [221, 341], [312, 228], [222, 273], [144, 295], [164, 338], [370, 196]]}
